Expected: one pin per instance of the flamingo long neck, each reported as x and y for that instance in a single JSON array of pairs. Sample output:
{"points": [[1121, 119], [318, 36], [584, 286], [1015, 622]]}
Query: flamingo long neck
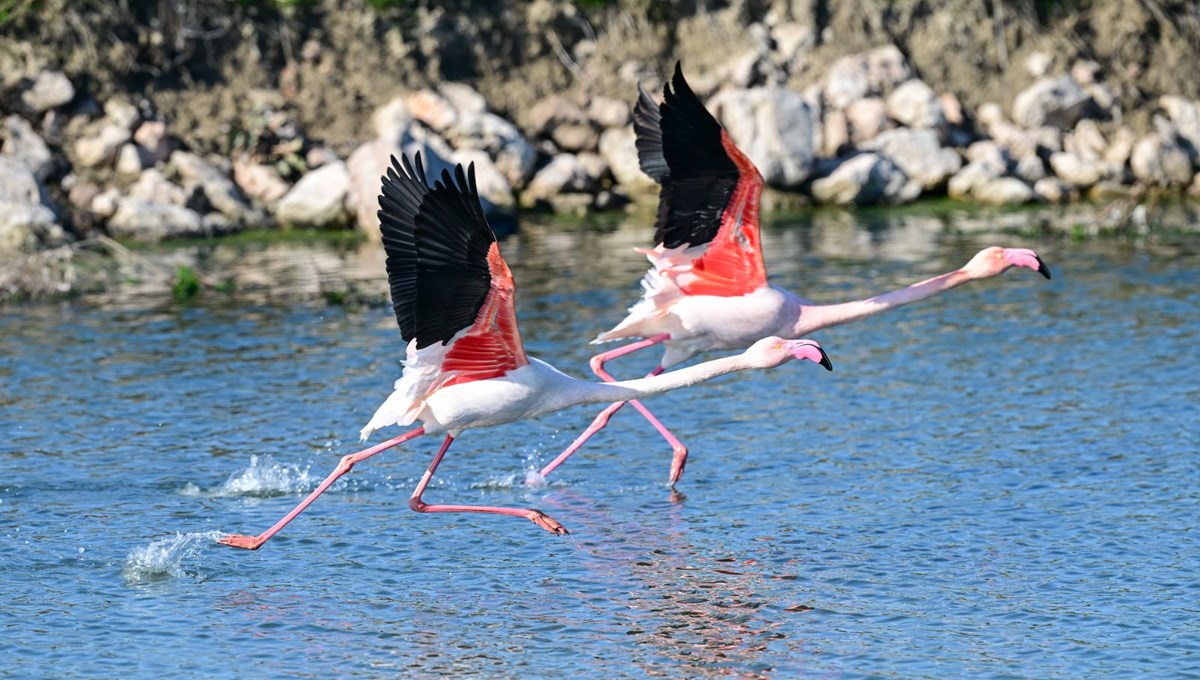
{"points": [[815, 317], [598, 393]]}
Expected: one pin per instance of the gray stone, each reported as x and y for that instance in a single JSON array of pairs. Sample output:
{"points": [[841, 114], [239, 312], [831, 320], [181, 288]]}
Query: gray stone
{"points": [[1054, 190], [24, 144], [860, 75], [391, 121], [863, 180], [432, 109], [916, 151], [366, 165], [1075, 170], [1003, 191], [494, 189], [146, 221], [217, 187], [49, 90], [1121, 147], [1030, 168], [1185, 115], [914, 104], [1161, 162], [121, 113], [104, 204], [989, 152], [1058, 102], [319, 199], [465, 100], [607, 112], [25, 214], [618, 147], [773, 126], [131, 160], [1086, 72], [153, 187], [1086, 141], [152, 137], [835, 133]]}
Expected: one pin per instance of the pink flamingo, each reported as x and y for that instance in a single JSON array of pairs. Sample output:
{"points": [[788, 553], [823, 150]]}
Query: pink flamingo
{"points": [[707, 287], [466, 367]]}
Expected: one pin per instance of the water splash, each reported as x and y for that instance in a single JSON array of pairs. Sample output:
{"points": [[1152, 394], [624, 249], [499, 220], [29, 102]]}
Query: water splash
{"points": [[264, 478], [165, 557]]}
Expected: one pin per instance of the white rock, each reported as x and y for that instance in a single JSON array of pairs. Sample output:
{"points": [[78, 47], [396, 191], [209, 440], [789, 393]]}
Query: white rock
{"points": [[145, 221], [1038, 63], [860, 75], [773, 126], [563, 174], [618, 147], [153, 187], [863, 180], [1121, 147], [989, 152], [835, 133], [366, 165], [391, 121], [152, 137], [866, 118], [25, 214], [1086, 141], [1030, 168], [913, 103], [1185, 115], [49, 90], [974, 175], [24, 144], [218, 188], [608, 112], [916, 151], [464, 98], [130, 160], [493, 186], [432, 109], [1086, 72], [1161, 162], [121, 113], [259, 181], [319, 199], [104, 204], [101, 148], [1075, 170], [1058, 102], [1054, 190], [1003, 191]]}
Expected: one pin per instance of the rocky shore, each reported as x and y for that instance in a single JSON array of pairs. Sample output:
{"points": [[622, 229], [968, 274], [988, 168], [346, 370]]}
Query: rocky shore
{"points": [[868, 129]]}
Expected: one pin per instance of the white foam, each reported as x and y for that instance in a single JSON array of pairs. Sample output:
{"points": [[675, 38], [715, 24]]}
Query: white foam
{"points": [[263, 478], [165, 557]]}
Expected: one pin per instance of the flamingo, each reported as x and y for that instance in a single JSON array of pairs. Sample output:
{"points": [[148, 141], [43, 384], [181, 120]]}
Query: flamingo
{"points": [[707, 286], [465, 366]]}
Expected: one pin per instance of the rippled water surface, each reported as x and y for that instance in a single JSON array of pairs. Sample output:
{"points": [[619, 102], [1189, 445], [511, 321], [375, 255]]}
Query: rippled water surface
{"points": [[1002, 481]]}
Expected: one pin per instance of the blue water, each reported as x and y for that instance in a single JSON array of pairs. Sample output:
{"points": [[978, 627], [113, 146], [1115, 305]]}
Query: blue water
{"points": [[999, 482]]}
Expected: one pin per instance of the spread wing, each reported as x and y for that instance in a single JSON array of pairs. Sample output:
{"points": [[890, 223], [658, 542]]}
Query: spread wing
{"points": [[449, 283], [710, 190]]}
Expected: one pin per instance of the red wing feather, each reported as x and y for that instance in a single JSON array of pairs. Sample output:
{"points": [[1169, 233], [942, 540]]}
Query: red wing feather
{"points": [[732, 264], [492, 345]]}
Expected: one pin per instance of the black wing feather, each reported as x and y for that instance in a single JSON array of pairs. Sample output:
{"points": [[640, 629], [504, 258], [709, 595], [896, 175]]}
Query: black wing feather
{"points": [[437, 243], [701, 176]]}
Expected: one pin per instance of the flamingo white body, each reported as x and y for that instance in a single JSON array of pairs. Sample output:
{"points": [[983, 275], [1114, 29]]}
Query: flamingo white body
{"points": [[707, 288], [465, 365]]}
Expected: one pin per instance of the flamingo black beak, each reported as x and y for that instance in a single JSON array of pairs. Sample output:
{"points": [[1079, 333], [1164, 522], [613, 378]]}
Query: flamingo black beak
{"points": [[1042, 268], [825, 359]]}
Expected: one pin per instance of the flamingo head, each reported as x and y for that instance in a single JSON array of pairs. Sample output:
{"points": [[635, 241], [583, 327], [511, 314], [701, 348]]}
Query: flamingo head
{"points": [[996, 260], [771, 352]]}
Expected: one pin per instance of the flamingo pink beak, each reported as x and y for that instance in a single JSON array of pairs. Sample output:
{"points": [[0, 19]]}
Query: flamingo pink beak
{"points": [[810, 350], [1024, 257]]}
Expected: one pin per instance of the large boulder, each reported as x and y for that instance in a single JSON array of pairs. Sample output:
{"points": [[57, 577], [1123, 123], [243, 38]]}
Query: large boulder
{"points": [[865, 179], [220, 191], [1161, 161], [102, 147], [1185, 116], [917, 152], [1077, 170], [144, 220], [259, 181], [563, 174], [972, 176], [319, 199], [153, 187], [1057, 102], [866, 118], [1003, 191], [774, 127]]}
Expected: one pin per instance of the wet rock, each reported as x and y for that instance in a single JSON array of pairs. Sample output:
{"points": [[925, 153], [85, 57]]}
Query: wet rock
{"points": [[102, 147], [1076, 170], [218, 189], [1057, 102], [26, 218], [863, 180], [1003, 191], [563, 174], [1159, 161], [1108, 190], [916, 151], [914, 104], [24, 144], [319, 199], [773, 126], [866, 118], [259, 181], [618, 148], [153, 187], [143, 220], [49, 90]]}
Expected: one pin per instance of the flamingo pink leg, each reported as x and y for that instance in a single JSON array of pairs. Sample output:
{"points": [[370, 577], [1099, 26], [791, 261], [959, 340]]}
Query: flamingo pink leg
{"points": [[536, 516], [344, 466], [679, 459]]}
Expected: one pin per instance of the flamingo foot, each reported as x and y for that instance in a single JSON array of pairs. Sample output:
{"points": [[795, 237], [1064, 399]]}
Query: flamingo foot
{"points": [[678, 463], [547, 522], [241, 541]]}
